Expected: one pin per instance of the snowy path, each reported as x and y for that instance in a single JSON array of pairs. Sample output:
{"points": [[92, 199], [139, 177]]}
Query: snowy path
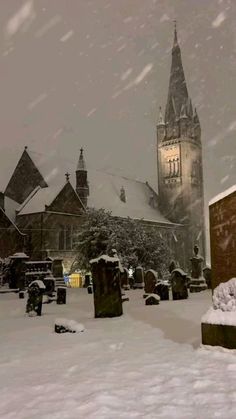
{"points": [[118, 368]]}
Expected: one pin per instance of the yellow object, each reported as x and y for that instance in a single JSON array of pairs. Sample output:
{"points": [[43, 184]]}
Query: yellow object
{"points": [[75, 280]]}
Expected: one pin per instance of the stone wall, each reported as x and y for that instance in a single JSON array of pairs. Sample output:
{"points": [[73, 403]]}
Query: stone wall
{"points": [[223, 239]]}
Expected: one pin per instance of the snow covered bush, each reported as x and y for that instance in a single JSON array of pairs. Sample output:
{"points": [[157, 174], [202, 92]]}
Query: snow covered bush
{"points": [[224, 296], [135, 243]]}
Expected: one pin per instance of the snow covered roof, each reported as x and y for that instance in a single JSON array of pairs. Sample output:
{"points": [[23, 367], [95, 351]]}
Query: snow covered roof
{"points": [[104, 189], [38, 199], [104, 192], [10, 207], [222, 195]]}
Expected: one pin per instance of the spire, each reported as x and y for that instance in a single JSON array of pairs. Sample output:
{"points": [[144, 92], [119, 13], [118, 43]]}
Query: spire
{"points": [[190, 108], [195, 117], [178, 93], [161, 119], [175, 35], [183, 113], [81, 163]]}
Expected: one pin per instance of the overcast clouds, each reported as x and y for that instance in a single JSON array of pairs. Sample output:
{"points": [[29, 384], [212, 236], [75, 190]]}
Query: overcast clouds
{"points": [[94, 73]]}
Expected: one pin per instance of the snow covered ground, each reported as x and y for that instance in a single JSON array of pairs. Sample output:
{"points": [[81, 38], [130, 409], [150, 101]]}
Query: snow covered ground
{"points": [[146, 364]]}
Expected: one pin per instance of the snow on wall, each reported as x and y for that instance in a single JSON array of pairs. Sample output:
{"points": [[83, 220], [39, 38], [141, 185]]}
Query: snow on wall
{"points": [[222, 195], [213, 316]]}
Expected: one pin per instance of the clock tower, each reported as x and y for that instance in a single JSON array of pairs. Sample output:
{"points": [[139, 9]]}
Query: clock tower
{"points": [[179, 156]]}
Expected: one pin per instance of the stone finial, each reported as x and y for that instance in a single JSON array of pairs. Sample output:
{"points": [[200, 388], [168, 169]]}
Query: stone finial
{"points": [[161, 118], [67, 175]]}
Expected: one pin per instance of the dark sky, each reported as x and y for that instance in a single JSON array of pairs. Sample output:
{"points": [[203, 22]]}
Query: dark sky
{"points": [[94, 73]]}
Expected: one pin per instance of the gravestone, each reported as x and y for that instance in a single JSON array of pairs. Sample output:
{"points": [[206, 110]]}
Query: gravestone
{"points": [[35, 298], [179, 284], [17, 270], [106, 286], [57, 271], [138, 278], [87, 280], [90, 289], [21, 295], [49, 283], [198, 282], [124, 279], [207, 275], [61, 295], [152, 300], [150, 281], [162, 289]]}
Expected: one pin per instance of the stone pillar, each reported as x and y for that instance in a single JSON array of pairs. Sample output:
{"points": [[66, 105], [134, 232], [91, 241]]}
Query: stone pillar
{"points": [[198, 282], [106, 287]]}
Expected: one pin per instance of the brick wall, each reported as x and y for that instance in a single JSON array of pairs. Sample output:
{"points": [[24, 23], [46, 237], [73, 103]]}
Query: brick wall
{"points": [[223, 239]]}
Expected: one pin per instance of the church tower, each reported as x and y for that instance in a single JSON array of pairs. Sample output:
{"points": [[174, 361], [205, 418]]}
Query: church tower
{"points": [[82, 187], [179, 156]]}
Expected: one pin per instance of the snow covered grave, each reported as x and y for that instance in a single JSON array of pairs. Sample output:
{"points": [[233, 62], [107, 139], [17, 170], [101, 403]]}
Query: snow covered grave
{"points": [[219, 323], [152, 299], [65, 325]]}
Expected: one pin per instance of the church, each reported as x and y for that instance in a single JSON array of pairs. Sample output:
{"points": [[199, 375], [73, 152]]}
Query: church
{"points": [[43, 201]]}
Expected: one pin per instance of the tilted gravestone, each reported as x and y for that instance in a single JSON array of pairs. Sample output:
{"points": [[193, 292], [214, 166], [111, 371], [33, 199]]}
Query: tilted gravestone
{"points": [[150, 281], [106, 287], [179, 284]]}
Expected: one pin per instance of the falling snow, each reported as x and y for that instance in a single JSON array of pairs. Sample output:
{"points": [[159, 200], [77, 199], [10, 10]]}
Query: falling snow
{"points": [[219, 20]]}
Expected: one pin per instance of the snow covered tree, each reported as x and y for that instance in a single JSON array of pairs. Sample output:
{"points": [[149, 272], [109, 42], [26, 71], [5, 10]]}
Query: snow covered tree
{"points": [[135, 242]]}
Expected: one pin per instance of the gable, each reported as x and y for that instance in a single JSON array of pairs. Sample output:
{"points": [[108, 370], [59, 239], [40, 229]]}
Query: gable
{"points": [[67, 201], [7, 224], [26, 177]]}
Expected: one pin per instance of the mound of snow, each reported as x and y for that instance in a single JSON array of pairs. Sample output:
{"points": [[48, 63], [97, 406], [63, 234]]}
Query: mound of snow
{"points": [[224, 296], [69, 325]]}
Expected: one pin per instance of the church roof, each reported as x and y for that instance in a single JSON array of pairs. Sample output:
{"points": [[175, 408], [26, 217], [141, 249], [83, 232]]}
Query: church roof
{"points": [[38, 199], [104, 190]]}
